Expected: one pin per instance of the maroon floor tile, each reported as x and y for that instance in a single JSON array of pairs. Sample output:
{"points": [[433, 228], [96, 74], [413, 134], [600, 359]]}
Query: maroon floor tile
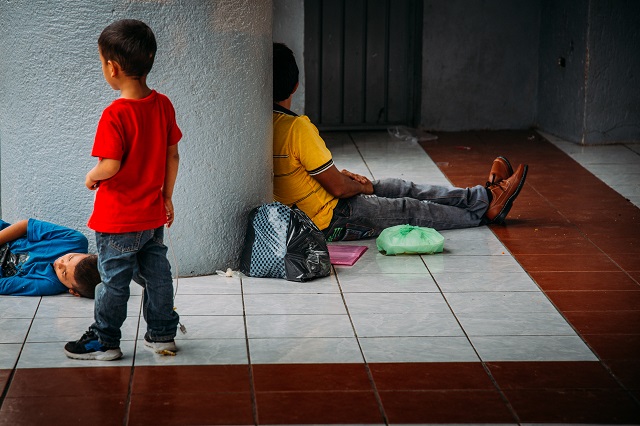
{"points": [[627, 371], [618, 244], [605, 322], [4, 378], [627, 261], [598, 300], [45, 382], [566, 262], [310, 377], [575, 246], [318, 408], [551, 375], [221, 408], [608, 280], [533, 231], [615, 346], [430, 376], [191, 379], [104, 409], [446, 406], [574, 406]]}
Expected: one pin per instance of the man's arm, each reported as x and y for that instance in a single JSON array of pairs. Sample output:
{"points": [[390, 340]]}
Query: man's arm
{"points": [[170, 175], [105, 169], [341, 185], [13, 232]]}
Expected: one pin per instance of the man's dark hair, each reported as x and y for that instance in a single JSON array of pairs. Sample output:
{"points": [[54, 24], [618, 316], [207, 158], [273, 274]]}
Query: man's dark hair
{"points": [[285, 72], [131, 44], [87, 276]]}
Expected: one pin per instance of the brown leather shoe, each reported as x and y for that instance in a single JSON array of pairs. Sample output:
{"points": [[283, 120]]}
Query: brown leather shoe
{"points": [[500, 170], [504, 193]]}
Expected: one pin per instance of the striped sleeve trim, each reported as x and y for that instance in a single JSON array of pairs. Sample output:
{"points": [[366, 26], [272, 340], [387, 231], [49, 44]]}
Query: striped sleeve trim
{"points": [[321, 169]]}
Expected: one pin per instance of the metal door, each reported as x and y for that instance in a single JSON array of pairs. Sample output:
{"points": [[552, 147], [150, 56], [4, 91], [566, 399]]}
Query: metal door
{"points": [[362, 62]]}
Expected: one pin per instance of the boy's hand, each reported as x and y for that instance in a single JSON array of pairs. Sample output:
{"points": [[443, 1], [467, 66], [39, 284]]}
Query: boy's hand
{"points": [[168, 206], [90, 183]]}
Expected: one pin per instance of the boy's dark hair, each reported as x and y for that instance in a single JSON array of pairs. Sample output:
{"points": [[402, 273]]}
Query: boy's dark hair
{"points": [[87, 276], [285, 72], [131, 44]]}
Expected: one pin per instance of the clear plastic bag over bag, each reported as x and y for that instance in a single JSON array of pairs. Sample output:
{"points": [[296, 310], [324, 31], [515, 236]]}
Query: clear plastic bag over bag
{"points": [[409, 134], [408, 239], [282, 242]]}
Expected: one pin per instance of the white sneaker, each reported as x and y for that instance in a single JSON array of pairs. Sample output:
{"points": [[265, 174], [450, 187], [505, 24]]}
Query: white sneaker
{"points": [[161, 347]]}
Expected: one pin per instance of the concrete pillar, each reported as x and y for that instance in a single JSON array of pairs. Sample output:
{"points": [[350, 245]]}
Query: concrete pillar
{"points": [[214, 63]]}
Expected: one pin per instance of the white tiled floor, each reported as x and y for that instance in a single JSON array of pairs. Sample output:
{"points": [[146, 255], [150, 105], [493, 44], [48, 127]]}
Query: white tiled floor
{"points": [[616, 165], [471, 302]]}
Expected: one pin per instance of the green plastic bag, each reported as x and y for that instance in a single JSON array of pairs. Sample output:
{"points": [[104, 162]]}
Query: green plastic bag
{"points": [[408, 239]]}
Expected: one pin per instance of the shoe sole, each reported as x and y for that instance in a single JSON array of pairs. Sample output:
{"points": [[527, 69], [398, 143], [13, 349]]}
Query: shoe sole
{"points": [[160, 347], [499, 219], [110, 355]]}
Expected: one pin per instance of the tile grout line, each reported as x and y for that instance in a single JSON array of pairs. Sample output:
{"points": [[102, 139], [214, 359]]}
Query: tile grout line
{"points": [[364, 359], [254, 398], [7, 385], [486, 369]]}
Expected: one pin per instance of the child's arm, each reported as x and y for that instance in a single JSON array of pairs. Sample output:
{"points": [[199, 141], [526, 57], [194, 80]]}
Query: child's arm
{"points": [[170, 174], [13, 232], [104, 170]]}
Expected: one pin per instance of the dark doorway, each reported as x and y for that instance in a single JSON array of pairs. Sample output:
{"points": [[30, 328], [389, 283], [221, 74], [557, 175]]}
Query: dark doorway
{"points": [[362, 62]]}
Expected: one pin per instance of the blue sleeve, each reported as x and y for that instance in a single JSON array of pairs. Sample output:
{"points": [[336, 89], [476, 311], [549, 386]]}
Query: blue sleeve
{"points": [[24, 286], [38, 230]]}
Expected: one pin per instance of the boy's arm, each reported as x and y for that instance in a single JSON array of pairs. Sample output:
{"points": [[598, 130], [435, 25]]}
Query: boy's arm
{"points": [[104, 170], [171, 172], [13, 232]]}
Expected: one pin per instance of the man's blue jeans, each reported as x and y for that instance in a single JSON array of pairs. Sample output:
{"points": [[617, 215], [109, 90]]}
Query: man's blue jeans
{"points": [[122, 257], [399, 202]]}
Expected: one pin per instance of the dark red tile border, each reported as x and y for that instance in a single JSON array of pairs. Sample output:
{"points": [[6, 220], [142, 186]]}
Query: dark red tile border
{"points": [[574, 406], [551, 375], [84, 382], [612, 280], [430, 376], [311, 377], [102, 410], [218, 408], [318, 407], [192, 379], [445, 406]]}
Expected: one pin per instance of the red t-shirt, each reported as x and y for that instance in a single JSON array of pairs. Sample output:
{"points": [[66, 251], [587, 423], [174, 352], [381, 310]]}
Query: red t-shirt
{"points": [[137, 132]]}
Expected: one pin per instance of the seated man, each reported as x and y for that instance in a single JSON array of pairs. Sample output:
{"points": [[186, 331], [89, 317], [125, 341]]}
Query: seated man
{"points": [[347, 206], [40, 259]]}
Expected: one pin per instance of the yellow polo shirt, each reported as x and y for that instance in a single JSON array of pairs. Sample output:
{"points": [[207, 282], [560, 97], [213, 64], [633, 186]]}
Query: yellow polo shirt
{"points": [[299, 153]]}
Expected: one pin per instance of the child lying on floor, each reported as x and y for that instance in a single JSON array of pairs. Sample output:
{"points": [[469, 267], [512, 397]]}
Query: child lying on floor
{"points": [[39, 259]]}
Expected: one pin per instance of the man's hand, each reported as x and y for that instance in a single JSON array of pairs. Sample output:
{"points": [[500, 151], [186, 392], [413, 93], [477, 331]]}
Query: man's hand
{"points": [[363, 180], [358, 178], [342, 184]]}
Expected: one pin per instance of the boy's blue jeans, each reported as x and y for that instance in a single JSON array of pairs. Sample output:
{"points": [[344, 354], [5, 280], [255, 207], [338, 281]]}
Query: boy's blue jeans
{"points": [[400, 202], [120, 258]]}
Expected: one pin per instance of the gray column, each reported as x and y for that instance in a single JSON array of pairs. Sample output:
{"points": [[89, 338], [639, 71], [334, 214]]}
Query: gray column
{"points": [[214, 63]]}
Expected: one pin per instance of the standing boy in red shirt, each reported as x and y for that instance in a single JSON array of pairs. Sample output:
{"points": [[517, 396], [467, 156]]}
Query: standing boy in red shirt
{"points": [[136, 145]]}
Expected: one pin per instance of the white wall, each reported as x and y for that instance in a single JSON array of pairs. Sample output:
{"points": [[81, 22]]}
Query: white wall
{"points": [[213, 61], [288, 28]]}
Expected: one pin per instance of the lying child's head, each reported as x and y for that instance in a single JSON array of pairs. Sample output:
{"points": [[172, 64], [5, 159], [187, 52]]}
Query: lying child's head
{"points": [[131, 44], [79, 273], [285, 72]]}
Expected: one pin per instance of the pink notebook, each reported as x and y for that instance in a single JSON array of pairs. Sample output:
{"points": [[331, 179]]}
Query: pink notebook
{"points": [[345, 255]]}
